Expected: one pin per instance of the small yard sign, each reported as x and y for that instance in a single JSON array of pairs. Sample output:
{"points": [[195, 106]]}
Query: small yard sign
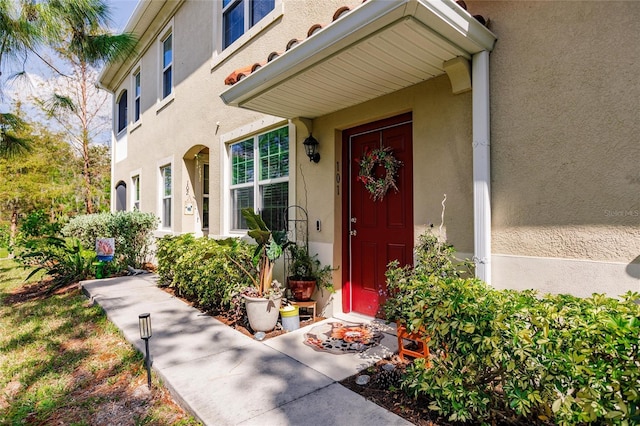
{"points": [[105, 248]]}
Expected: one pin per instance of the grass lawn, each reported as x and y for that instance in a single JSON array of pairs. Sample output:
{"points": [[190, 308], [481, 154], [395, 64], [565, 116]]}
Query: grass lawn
{"points": [[3, 252], [63, 362]]}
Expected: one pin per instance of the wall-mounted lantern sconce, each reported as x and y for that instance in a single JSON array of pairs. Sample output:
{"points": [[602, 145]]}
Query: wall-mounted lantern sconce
{"points": [[144, 322], [311, 148]]}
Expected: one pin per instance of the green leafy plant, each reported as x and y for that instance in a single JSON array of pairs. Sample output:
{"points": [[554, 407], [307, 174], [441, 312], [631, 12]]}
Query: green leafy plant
{"points": [[406, 285], [269, 247], [515, 356], [37, 224], [206, 274], [168, 250], [303, 266], [132, 232], [65, 261], [506, 354]]}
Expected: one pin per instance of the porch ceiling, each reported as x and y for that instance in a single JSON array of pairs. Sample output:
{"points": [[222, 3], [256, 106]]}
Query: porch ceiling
{"points": [[378, 48]]}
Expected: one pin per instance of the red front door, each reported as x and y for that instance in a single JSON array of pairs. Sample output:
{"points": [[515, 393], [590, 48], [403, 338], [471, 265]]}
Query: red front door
{"points": [[377, 231]]}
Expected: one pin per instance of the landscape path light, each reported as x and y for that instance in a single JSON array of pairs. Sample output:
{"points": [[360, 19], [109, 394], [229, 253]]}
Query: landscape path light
{"points": [[144, 322]]}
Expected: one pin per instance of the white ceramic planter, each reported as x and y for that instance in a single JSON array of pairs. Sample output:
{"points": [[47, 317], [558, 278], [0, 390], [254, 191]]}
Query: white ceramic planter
{"points": [[262, 313]]}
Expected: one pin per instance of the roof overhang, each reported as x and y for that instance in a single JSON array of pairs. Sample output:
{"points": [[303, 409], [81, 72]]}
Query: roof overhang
{"points": [[378, 48], [144, 25]]}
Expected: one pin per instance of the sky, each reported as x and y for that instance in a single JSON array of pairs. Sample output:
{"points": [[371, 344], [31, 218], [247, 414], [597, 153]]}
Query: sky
{"points": [[121, 10], [40, 80]]}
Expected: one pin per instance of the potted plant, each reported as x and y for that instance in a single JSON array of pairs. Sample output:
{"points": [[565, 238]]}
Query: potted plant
{"points": [[263, 300], [305, 273]]}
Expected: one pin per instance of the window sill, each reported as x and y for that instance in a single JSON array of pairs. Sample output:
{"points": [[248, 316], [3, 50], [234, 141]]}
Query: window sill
{"points": [[264, 23], [162, 232], [134, 126], [162, 104], [121, 133]]}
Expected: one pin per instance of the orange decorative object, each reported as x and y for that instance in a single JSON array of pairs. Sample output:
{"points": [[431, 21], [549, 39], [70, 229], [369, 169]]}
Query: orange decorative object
{"points": [[420, 339]]}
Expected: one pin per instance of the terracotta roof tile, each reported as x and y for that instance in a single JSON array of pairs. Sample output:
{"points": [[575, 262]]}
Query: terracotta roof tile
{"points": [[341, 11], [240, 73], [314, 28]]}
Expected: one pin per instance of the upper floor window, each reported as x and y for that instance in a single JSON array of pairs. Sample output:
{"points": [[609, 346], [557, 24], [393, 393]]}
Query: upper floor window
{"points": [[266, 191], [136, 96], [240, 15], [167, 65], [122, 111]]}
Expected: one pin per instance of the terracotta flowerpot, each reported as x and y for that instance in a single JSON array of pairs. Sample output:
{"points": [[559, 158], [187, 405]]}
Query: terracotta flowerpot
{"points": [[302, 289], [262, 313]]}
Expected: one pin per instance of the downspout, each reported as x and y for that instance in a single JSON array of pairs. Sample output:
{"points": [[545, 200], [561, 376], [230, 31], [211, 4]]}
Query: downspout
{"points": [[481, 166]]}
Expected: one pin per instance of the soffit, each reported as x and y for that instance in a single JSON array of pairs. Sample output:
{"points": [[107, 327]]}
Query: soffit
{"points": [[375, 49]]}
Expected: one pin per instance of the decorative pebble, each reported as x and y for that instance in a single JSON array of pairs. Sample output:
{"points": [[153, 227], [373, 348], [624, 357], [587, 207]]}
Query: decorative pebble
{"points": [[363, 380], [388, 367], [259, 335]]}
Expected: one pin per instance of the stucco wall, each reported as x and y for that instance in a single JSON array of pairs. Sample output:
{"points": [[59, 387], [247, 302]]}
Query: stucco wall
{"points": [[441, 153], [564, 123], [197, 116], [565, 97]]}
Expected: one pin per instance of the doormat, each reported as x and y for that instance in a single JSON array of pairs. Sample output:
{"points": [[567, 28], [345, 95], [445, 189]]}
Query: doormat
{"points": [[342, 338]]}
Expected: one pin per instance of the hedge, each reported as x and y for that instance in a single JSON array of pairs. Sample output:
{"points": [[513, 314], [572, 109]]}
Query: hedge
{"points": [[132, 232], [517, 357], [200, 269]]}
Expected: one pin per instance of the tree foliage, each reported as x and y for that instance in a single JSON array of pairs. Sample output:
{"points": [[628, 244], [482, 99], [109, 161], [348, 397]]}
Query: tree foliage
{"points": [[78, 31], [83, 41], [43, 179]]}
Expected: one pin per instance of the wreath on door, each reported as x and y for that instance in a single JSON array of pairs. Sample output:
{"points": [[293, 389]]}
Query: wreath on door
{"points": [[378, 186]]}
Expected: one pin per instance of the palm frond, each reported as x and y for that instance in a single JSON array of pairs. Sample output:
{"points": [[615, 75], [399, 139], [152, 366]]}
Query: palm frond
{"points": [[58, 103], [12, 145]]}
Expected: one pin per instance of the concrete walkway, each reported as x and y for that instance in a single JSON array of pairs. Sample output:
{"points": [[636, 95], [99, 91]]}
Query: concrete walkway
{"points": [[226, 378]]}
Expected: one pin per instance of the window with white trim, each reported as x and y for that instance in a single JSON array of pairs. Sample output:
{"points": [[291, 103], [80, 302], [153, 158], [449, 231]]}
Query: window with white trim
{"points": [[240, 15], [165, 195], [167, 65], [260, 178], [136, 96], [205, 196], [135, 193], [122, 111]]}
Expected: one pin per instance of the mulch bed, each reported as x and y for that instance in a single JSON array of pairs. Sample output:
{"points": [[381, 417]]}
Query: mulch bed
{"points": [[382, 389], [244, 329]]}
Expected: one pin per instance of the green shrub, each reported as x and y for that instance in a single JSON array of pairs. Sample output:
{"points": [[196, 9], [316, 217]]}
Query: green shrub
{"points": [[505, 356], [404, 293], [65, 261], [38, 224], [511, 355], [5, 236], [168, 249], [132, 232], [200, 269]]}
